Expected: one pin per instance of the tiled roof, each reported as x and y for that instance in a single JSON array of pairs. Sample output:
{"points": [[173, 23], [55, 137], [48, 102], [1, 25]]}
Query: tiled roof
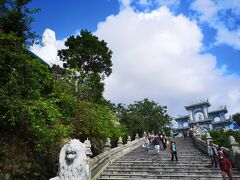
{"points": [[219, 110], [181, 117], [197, 104]]}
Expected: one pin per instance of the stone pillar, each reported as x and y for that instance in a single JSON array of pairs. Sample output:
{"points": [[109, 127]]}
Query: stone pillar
{"points": [[129, 139], [144, 134], [205, 112], [120, 142], [208, 138], [234, 149], [136, 137], [88, 145], [171, 133], [190, 116], [107, 145]]}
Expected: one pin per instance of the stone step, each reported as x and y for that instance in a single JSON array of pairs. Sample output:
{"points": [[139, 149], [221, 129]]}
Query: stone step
{"points": [[168, 171], [175, 176], [159, 158], [139, 165], [172, 165], [162, 161], [160, 172], [169, 168]]}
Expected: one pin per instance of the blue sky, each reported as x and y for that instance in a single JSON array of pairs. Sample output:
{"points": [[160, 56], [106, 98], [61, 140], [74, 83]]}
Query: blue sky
{"points": [[197, 42], [66, 17]]}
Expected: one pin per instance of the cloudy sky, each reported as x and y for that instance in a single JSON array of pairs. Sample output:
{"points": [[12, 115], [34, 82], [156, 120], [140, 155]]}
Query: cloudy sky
{"points": [[174, 52]]}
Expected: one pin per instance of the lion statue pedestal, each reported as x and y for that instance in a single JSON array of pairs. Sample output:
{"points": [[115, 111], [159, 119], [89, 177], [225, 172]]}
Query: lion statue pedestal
{"points": [[72, 162]]}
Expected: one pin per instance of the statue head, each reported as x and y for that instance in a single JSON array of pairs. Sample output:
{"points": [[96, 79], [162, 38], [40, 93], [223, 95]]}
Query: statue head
{"points": [[48, 37], [72, 161]]}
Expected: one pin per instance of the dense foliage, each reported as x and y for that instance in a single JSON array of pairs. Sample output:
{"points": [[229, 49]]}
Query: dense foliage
{"points": [[221, 138], [143, 116], [14, 18], [236, 117], [90, 60]]}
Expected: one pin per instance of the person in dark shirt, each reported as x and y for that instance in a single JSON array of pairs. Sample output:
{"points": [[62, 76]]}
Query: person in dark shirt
{"points": [[164, 142], [226, 167]]}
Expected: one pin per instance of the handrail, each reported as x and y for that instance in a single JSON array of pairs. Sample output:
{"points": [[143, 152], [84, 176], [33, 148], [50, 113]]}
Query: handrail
{"points": [[99, 163]]}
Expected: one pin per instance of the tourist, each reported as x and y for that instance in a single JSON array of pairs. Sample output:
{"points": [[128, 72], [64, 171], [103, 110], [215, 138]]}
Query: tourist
{"points": [[146, 144], [226, 167], [212, 152], [160, 138], [173, 150], [164, 142], [220, 151], [156, 142]]}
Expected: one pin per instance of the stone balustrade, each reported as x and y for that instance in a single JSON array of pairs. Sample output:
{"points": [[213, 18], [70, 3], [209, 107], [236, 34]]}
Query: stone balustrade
{"points": [[99, 163], [73, 153], [232, 153]]}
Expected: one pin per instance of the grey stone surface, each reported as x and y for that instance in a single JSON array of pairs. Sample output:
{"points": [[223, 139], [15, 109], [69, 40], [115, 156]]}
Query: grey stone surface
{"points": [[72, 162], [139, 164]]}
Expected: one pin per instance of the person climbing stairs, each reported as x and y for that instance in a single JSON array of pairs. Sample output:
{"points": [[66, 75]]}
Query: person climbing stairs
{"points": [[192, 164]]}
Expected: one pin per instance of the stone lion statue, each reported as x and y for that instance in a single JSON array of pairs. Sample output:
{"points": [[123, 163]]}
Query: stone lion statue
{"points": [[72, 162]]}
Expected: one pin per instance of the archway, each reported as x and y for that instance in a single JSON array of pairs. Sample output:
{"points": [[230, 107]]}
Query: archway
{"points": [[199, 116], [217, 119]]}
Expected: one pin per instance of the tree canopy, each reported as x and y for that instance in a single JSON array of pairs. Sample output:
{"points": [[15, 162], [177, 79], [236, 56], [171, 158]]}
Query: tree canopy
{"points": [[143, 116], [15, 18], [236, 117], [90, 58], [87, 54]]}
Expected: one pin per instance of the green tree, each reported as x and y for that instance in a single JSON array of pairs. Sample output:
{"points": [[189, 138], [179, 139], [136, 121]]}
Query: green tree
{"points": [[236, 117], [91, 58], [96, 122], [30, 118], [143, 116], [86, 53], [15, 18]]}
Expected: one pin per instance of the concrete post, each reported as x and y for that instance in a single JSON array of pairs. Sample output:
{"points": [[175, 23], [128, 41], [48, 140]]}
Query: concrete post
{"points": [[144, 134], [136, 137], [129, 139], [120, 142], [107, 145], [88, 145], [208, 138], [234, 149]]}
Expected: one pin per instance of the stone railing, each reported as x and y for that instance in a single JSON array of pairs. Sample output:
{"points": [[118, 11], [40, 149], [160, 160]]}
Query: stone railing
{"points": [[232, 153], [75, 160], [99, 163]]}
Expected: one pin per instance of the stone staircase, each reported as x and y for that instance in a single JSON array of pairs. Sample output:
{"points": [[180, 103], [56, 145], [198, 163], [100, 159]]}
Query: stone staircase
{"points": [[138, 165]]}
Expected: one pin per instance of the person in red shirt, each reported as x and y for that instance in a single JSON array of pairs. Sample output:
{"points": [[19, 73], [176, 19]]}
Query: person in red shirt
{"points": [[226, 167]]}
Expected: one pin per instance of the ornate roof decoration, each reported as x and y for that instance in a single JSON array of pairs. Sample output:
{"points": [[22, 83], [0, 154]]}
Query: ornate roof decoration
{"points": [[202, 102]]}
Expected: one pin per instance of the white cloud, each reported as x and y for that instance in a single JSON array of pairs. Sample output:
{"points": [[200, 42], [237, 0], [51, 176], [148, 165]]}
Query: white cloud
{"points": [[48, 51], [144, 2], [169, 3], [222, 16], [125, 3], [231, 38], [158, 55]]}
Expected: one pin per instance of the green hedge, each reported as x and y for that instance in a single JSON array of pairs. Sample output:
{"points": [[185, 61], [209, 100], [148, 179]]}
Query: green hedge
{"points": [[221, 138]]}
